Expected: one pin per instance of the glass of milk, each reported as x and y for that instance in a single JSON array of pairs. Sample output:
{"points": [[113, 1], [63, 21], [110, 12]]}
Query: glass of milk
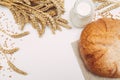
{"points": [[82, 13]]}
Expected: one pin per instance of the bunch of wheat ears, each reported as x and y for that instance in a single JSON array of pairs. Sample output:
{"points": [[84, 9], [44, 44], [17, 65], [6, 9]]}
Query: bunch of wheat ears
{"points": [[39, 13]]}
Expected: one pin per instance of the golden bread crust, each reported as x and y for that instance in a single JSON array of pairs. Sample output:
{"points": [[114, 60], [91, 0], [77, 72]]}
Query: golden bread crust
{"points": [[100, 47]]}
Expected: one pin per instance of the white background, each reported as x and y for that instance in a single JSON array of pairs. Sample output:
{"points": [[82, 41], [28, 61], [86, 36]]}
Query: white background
{"points": [[50, 57]]}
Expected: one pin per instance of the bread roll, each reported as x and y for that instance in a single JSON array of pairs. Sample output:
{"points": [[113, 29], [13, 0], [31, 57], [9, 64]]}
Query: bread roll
{"points": [[99, 47]]}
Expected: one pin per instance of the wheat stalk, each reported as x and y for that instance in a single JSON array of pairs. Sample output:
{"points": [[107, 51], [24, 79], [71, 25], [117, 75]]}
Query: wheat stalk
{"points": [[114, 6], [44, 12], [105, 4], [14, 68]]}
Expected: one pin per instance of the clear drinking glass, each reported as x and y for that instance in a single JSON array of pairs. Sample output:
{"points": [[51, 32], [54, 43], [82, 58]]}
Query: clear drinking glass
{"points": [[81, 16]]}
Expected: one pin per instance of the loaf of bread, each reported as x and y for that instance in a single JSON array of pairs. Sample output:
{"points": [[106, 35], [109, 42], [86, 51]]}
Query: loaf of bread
{"points": [[99, 47]]}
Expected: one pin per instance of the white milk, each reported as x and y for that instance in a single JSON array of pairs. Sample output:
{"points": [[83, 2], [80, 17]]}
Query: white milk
{"points": [[82, 13]]}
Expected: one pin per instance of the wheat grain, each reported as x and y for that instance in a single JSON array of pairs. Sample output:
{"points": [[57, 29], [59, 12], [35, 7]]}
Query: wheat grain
{"points": [[63, 24], [20, 35], [114, 6], [27, 2], [52, 13], [24, 16], [1, 67], [59, 28], [62, 20], [59, 9], [14, 13], [8, 51], [104, 5], [5, 4], [35, 25], [14, 68], [47, 7], [100, 0]]}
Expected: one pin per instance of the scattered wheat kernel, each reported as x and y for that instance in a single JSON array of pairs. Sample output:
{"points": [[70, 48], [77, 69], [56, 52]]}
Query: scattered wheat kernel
{"points": [[10, 76]]}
